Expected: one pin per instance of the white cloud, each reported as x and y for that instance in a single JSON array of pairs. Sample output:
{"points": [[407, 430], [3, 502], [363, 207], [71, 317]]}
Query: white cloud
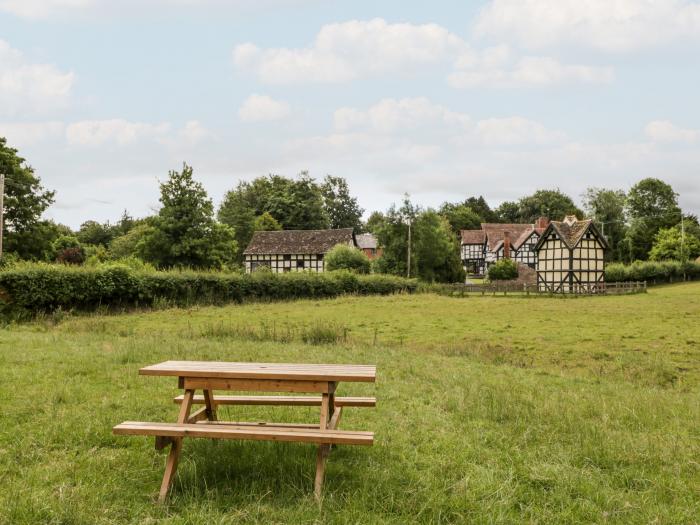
{"points": [[350, 50], [22, 134], [495, 68], [261, 108], [118, 131], [610, 25], [194, 133], [27, 88], [41, 8], [514, 131], [665, 131], [347, 51]]}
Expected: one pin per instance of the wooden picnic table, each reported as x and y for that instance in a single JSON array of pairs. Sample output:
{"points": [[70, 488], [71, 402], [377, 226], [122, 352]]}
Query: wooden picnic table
{"points": [[209, 376]]}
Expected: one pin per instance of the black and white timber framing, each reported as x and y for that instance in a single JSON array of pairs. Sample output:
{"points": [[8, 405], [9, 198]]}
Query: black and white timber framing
{"points": [[293, 250]]}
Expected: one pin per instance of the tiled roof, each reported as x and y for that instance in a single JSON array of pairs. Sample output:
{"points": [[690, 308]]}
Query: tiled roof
{"points": [[495, 232], [524, 236], [571, 230], [472, 236], [298, 241], [366, 241]]}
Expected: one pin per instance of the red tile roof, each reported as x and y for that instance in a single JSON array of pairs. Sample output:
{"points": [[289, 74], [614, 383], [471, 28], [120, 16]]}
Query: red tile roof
{"points": [[472, 236]]}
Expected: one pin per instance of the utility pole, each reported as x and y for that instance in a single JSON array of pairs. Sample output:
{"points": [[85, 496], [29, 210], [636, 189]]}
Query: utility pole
{"points": [[2, 209], [408, 273], [683, 245]]}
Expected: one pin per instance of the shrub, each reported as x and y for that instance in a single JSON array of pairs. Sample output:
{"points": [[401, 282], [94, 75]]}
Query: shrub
{"points": [[652, 271], [344, 257], [45, 287], [503, 270]]}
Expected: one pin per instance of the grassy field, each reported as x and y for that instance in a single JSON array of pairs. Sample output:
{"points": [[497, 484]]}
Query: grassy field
{"points": [[490, 410]]}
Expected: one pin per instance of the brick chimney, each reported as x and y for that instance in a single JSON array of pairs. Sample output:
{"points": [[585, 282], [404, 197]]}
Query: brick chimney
{"points": [[506, 245], [542, 223]]}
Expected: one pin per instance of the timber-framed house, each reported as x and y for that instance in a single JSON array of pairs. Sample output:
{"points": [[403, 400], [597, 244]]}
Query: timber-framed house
{"points": [[293, 250], [571, 257]]}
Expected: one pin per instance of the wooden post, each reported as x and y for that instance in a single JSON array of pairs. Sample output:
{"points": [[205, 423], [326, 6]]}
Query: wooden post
{"points": [[2, 209], [175, 448]]}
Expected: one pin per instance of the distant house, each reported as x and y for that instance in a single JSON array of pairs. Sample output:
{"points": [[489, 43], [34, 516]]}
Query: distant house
{"points": [[494, 241], [368, 244], [293, 250], [571, 257]]}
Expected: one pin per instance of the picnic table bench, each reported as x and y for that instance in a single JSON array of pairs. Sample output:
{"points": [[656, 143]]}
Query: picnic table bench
{"points": [[321, 380]]}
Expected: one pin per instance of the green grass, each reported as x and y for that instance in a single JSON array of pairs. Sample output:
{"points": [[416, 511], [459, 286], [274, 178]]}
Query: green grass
{"points": [[490, 410]]}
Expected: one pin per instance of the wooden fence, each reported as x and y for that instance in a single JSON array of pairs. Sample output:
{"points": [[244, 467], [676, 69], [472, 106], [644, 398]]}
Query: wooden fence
{"points": [[460, 290]]}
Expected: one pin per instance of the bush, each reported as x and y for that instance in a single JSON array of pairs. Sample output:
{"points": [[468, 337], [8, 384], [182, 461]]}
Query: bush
{"points": [[44, 287], [652, 272], [503, 270], [344, 257]]}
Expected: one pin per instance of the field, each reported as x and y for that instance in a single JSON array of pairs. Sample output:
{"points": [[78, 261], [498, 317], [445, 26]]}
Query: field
{"points": [[490, 410]]}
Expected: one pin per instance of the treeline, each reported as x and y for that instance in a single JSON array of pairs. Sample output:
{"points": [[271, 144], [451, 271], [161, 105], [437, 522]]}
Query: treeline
{"points": [[188, 232]]}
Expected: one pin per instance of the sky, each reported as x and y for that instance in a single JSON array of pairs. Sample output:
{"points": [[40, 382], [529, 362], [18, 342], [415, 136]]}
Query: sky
{"points": [[442, 100]]}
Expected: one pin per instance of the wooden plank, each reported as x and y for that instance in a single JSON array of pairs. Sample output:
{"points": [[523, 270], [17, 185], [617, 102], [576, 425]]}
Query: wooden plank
{"points": [[309, 401], [198, 415], [223, 431], [324, 411], [262, 424], [232, 370], [175, 448], [263, 385], [335, 420], [321, 456], [210, 405]]}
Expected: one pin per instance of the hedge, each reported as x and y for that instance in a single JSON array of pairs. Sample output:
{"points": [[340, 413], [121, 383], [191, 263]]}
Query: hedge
{"points": [[44, 288], [652, 272]]}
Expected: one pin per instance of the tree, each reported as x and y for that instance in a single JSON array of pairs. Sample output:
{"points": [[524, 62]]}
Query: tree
{"points": [[184, 231], [92, 232], [266, 223], [481, 208], [340, 207], [392, 235], [375, 221], [672, 244], [36, 243], [546, 203], [344, 257], [607, 209], [437, 249], [237, 212], [68, 250], [651, 205], [25, 200], [127, 245], [460, 217], [508, 212]]}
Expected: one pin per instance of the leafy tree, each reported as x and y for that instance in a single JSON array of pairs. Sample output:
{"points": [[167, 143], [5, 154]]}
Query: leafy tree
{"points": [[92, 232], [607, 209], [503, 270], [341, 208], [125, 223], [460, 217], [437, 249], [184, 231], [374, 222], [508, 212], [481, 208], [25, 201], [672, 244], [36, 243], [546, 203], [344, 257], [266, 223], [651, 205], [392, 236], [68, 250], [237, 212], [126, 245]]}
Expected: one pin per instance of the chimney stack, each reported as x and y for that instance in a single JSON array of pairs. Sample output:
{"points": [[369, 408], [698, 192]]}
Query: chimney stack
{"points": [[542, 223], [506, 245]]}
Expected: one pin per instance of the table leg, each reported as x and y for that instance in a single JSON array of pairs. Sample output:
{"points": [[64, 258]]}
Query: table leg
{"points": [[175, 448], [211, 406], [326, 420]]}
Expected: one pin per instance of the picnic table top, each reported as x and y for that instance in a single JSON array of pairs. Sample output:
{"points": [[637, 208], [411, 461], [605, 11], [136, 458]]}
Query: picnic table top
{"points": [[278, 371]]}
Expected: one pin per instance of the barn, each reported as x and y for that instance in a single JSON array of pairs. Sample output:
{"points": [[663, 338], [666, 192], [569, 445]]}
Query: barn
{"points": [[571, 257], [293, 250]]}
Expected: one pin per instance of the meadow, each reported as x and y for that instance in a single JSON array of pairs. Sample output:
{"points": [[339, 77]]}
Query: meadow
{"points": [[490, 410]]}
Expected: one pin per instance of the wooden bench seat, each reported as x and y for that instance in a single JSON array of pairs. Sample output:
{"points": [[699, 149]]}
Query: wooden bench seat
{"points": [[248, 432], [309, 401]]}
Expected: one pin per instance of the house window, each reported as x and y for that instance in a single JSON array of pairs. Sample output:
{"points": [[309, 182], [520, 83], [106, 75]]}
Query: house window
{"points": [[287, 257], [300, 263], [319, 256]]}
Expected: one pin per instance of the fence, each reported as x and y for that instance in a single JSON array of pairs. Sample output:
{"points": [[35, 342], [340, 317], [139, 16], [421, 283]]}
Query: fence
{"points": [[460, 290]]}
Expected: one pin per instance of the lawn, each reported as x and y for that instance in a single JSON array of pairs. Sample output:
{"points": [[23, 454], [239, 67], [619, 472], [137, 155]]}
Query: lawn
{"points": [[490, 410]]}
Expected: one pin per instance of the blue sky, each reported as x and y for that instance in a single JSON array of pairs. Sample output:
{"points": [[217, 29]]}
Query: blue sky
{"points": [[442, 99]]}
